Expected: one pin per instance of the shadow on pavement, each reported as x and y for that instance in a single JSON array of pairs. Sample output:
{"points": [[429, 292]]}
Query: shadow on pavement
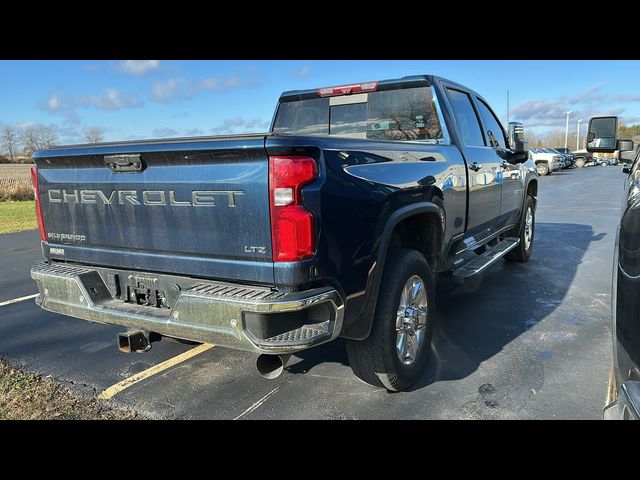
{"points": [[477, 319]]}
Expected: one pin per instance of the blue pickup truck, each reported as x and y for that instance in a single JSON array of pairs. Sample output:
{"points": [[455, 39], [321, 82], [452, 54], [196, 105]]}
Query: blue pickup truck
{"points": [[336, 223]]}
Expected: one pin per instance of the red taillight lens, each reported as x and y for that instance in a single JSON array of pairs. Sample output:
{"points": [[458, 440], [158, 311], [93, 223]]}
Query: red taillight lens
{"points": [[36, 194], [293, 232]]}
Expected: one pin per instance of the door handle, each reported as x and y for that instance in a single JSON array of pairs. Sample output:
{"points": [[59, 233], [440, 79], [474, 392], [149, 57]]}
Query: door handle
{"points": [[475, 166], [123, 163]]}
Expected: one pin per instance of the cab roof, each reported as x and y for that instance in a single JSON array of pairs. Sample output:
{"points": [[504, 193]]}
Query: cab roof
{"points": [[390, 84]]}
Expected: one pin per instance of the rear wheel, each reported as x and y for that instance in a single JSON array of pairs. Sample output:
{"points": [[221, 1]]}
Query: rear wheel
{"points": [[525, 233], [396, 352], [543, 169]]}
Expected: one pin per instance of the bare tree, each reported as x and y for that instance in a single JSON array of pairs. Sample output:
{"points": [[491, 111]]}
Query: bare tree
{"points": [[47, 137], [36, 138], [9, 140], [29, 138], [94, 135]]}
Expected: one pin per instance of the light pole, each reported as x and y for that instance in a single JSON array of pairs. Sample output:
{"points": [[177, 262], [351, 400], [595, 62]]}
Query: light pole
{"points": [[566, 131], [578, 137]]}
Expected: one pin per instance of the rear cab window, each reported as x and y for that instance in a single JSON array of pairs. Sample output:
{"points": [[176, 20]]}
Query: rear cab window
{"points": [[406, 114]]}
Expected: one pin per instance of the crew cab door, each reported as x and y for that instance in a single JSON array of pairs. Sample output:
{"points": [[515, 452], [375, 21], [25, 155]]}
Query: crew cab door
{"points": [[509, 174], [483, 167]]}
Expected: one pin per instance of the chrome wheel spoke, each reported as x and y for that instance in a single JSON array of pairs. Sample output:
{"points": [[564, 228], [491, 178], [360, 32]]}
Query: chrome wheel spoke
{"points": [[412, 348], [422, 317], [402, 345], [415, 291], [411, 320], [528, 228]]}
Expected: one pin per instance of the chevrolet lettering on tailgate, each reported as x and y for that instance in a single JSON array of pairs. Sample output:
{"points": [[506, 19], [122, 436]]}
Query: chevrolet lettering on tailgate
{"points": [[199, 198]]}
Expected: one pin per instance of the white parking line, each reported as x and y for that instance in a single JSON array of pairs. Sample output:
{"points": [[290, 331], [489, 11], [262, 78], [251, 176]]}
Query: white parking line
{"points": [[138, 377], [16, 300]]}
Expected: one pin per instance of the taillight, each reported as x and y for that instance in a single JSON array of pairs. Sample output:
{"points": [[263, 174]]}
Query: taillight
{"points": [[348, 89], [293, 232], [36, 194]]}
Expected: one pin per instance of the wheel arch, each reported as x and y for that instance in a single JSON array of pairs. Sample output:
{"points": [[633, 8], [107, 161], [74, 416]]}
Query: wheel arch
{"points": [[405, 218]]}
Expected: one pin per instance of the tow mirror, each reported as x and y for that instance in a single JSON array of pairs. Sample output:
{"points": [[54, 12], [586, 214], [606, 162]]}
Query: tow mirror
{"points": [[518, 144], [602, 134]]}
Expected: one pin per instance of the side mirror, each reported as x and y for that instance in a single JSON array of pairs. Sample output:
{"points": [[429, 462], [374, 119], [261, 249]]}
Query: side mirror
{"points": [[602, 134], [626, 168], [518, 144]]}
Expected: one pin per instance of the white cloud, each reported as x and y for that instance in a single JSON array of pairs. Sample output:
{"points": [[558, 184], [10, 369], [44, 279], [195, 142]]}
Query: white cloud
{"points": [[174, 89], [111, 99], [53, 103], [66, 105], [233, 125], [165, 132], [168, 90], [228, 126], [193, 132], [138, 67], [590, 95], [551, 113], [303, 72], [257, 124]]}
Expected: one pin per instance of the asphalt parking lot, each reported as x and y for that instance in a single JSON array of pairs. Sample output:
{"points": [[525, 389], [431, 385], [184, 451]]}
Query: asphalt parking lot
{"points": [[527, 341]]}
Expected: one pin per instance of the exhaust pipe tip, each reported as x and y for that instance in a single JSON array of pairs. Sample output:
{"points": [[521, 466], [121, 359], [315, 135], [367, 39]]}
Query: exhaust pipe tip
{"points": [[271, 366]]}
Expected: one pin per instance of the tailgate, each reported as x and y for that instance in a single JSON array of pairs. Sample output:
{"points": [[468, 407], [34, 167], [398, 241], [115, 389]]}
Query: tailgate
{"points": [[197, 207]]}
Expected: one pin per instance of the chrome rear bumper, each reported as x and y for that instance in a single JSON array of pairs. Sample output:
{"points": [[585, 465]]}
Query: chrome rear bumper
{"points": [[209, 312]]}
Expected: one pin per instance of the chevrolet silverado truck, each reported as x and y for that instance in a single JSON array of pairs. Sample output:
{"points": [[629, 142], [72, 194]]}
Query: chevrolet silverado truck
{"points": [[545, 162], [335, 223]]}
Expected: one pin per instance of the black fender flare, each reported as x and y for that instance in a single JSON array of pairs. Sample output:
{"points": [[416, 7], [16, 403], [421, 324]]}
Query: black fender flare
{"points": [[360, 327], [531, 177]]}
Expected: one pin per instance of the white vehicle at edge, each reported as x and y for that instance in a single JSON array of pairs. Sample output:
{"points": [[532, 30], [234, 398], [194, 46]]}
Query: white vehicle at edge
{"points": [[545, 162]]}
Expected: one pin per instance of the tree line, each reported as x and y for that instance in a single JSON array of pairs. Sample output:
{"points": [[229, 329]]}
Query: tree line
{"points": [[24, 142]]}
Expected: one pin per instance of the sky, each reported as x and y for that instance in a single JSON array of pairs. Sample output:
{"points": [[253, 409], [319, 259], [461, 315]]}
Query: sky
{"points": [[133, 99]]}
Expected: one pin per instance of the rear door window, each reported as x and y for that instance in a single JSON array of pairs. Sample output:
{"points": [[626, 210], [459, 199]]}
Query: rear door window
{"points": [[407, 114]]}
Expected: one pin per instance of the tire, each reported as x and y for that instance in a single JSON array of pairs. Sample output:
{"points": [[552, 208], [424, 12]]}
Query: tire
{"points": [[376, 360], [522, 252], [580, 162], [543, 169]]}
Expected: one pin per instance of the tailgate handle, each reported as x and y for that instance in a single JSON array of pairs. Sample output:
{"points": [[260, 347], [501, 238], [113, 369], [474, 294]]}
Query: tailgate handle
{"points": [[123, 163]]}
